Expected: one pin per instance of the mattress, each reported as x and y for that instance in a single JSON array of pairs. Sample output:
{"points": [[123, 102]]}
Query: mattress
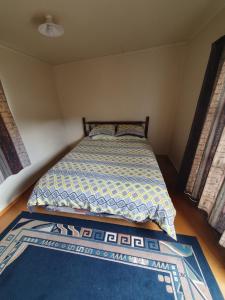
{"points": [[116, 176]]}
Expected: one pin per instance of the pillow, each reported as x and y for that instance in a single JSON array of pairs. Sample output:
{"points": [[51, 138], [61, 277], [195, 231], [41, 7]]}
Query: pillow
{"points": [[129, 129], [129, 138], [106, 129], [104, 137]]}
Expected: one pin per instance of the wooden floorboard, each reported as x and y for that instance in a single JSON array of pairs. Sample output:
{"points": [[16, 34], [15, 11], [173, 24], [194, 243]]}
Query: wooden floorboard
{"points": [[189, 220]]}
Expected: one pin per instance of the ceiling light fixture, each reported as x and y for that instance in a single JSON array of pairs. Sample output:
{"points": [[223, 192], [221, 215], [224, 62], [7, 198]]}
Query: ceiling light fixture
{"points": [[50, 29]]}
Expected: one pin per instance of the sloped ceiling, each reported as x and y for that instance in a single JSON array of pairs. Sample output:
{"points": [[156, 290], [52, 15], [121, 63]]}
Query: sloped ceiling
{"points": [[101, 27]]}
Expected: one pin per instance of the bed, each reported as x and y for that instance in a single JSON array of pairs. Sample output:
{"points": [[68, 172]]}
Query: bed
{"points": [[116, 176]]}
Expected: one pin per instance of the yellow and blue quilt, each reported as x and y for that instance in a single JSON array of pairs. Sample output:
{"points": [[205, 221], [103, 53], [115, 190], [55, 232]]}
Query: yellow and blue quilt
{"points": [[117, 176]]}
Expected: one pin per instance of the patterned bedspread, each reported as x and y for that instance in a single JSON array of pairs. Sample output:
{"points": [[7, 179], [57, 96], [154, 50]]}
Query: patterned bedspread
{"points": [[119, 177]]}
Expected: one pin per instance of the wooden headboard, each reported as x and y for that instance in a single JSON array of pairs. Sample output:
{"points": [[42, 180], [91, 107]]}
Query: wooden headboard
{"points": [[88, 125]]}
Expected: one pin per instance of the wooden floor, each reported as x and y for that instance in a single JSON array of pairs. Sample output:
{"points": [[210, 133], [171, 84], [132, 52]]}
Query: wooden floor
{"points": [[189, 221]]}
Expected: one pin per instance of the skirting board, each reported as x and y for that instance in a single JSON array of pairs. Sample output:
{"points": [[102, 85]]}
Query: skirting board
{"points": [[2, 212]]}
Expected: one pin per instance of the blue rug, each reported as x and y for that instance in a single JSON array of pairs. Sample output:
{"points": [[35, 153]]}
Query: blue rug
{"points": [[51, 257]]}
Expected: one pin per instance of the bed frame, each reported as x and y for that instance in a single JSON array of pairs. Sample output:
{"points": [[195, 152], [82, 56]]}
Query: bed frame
{"points": [[88, 125]]}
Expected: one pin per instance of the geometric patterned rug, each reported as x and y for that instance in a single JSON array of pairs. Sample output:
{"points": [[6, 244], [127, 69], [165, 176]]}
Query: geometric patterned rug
{"points": [[53, 257]]}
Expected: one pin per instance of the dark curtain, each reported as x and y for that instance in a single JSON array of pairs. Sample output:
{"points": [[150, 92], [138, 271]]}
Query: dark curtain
{"points": [[10, 160], [213, 65], [13, 155]]}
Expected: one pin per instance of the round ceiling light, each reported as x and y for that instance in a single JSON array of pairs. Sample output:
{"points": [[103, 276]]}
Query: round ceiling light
{"points": [[50, 29]]}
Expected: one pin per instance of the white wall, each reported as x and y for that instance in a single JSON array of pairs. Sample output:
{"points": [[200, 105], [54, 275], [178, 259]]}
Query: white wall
{"points": [[126, 86], [31, 95], [198, 50]]}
